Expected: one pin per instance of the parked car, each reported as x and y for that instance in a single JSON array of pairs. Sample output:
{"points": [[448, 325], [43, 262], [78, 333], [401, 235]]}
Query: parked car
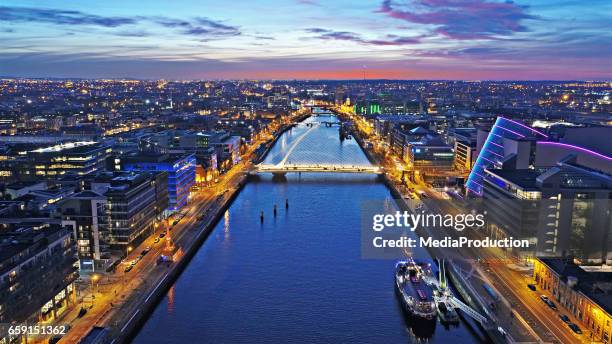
{"points": [[145, 251], [575, 328], [128, 268], [532, 287], [564, 318], [55, 339], [544, 298]]}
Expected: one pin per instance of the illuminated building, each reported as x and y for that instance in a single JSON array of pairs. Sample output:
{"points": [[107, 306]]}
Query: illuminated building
{"points": [[51, 162], [584, 294], [429, 154], [465, 148], [134, 200], [509, 144], [181, 169], [87, 210], [114, 210], [37, 275], [562, 209]]}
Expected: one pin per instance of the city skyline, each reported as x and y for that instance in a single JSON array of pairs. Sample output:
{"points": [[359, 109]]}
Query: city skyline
{"points": [[308, 39]]}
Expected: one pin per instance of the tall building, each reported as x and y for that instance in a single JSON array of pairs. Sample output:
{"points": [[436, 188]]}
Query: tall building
{"points": [[465, 148], [564, 210], [87, 210], [509, 144], [112, 211], [181, 169], [130, 207]]}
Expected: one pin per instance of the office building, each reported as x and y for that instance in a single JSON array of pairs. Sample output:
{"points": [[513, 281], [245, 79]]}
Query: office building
{"points": [[181, 169], [28, 163], [37, 274], [465, 148], [563, 210]]}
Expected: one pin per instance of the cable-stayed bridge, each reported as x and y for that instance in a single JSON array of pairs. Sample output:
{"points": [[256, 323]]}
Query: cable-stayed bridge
{"points": [[312, 162]]}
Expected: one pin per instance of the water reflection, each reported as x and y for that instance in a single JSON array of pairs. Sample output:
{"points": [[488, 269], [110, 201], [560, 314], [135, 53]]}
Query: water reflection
{"points": [[299, 278]]}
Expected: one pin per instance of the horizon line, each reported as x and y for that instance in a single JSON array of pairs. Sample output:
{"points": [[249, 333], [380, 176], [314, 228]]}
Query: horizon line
{"points": [[296, 79]]}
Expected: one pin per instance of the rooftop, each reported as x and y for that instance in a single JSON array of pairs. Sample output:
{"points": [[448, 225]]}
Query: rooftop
{"points": [[155, 158], [524, 178], [63, 146]]}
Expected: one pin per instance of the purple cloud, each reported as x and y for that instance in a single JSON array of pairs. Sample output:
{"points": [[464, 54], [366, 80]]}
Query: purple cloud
{"points": [[390, 40], [462, 19], [199, 27], [60, 17], [308, 2], [196, 26]]}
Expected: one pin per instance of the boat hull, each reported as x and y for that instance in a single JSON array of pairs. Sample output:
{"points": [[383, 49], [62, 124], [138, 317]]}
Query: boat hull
{"points": [[415, 295]]}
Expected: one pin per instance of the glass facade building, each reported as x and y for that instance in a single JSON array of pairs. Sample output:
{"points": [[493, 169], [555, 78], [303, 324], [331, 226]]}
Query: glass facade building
{"points": [[181, 170], [494, 151]]}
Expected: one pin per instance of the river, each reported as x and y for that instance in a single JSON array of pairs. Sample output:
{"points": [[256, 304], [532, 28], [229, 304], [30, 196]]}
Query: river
{"points": [[298, 277]]}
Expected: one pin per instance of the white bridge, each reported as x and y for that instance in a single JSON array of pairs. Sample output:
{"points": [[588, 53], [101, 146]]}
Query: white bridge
{"points": [[284, 168], [285, 165]]}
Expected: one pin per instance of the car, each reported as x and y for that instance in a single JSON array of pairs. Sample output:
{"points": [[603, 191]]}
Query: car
{"points": [[551, 305], [128, 268], [55, 339], [162, 234], [532, 287], [145, 251], [544, 298], [575, 328], [82, 312], [564, 318], [156, 240]]}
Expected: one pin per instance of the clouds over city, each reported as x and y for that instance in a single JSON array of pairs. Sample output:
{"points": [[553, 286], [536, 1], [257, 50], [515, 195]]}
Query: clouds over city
{"points": [[387, 40], [462, 19], [196, 26], [308, 38]]}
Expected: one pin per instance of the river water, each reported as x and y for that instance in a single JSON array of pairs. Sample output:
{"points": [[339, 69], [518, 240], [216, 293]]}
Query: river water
{"points": [[297, 277]]}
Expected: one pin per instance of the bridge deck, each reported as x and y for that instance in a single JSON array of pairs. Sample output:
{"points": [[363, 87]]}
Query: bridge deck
{"points": [[319, 168]]}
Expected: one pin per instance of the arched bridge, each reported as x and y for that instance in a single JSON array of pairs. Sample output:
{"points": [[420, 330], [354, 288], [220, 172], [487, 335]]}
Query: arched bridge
{"points": [[281, 169], [314, 165]]}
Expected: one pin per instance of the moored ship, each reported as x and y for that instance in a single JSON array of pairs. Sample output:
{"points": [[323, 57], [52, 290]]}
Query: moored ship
{"points": [[415, 293]]}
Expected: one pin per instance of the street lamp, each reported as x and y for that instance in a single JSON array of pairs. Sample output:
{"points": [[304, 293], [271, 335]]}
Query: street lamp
{"points": [[128, 250], [94, 278]]}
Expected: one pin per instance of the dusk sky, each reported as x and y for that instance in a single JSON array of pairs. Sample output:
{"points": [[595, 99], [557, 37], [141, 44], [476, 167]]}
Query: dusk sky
{"points": [[311, 39]]}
